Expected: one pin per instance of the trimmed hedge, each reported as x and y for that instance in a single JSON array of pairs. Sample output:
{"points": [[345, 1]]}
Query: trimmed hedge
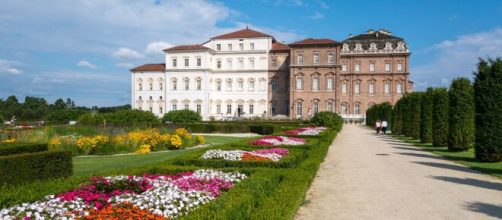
{"points": [[382, 112], [426, 121], [440, 117], [461, 115], [121, 117], [27, 167], [182, 116], [18, 148], [328, 119], [261, 129]]}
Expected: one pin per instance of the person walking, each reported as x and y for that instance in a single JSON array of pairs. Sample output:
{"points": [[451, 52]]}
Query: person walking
{"points": [[377, 126], [385, 124]]}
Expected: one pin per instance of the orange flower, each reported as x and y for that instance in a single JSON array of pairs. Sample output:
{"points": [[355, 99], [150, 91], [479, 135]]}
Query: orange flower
{"points": [[122, 211], [251, 157]]}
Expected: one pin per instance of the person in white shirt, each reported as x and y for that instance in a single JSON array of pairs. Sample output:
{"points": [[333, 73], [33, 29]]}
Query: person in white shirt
{"points": [[377, 126], [384, 126]]}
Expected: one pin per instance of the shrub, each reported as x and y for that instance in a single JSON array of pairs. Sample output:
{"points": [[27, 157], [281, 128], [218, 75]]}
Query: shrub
{"points": [[261, 129], [182, 116], [488, 106], [382, 111], [27, 167], [440, 117], [1, 118], [397, 115], [426, 111], [65, 115], [414, 114], [121, 117], [328, 119], [461, 115], [18, 148]]}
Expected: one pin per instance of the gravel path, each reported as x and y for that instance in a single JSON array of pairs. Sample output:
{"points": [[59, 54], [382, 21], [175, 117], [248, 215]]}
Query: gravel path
{"points": [[365, 176]]}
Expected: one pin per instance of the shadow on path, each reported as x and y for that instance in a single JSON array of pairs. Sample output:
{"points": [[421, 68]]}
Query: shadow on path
{"points": [[448, 166], [421, 155], [471, 182], [488, 209], [409, 148]]}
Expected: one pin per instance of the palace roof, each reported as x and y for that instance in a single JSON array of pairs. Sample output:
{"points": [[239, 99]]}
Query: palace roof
{"points": [[313, 41], [151, 67], [187, 47], [279, 47], [244, 33]]}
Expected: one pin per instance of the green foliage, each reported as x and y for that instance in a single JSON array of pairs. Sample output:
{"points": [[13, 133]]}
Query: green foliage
{"points": [[65, 115], [414, 114], [461, 115], [122, 117], [18, 148], [426, 121], [27, 167], [181, 116], [397, 117], [382, 111], [328, 119], [488, 106], [440, 117], [1, 118], [261, 129]]}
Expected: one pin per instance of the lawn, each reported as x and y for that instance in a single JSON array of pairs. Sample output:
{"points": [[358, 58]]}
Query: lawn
{"points": [[87, 166], [465, 158]]}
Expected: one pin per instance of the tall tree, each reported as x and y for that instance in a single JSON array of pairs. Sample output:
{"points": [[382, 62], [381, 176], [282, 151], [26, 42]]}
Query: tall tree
{"points": [[11, 108], [440, 117], [488, 106], [59, 104], [426, 116], [461, 115], [415, 100]]}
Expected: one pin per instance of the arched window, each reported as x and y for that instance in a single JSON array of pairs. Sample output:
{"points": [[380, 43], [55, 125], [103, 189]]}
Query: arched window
{"points": [[240, 83], [386, 88], [399, 87], [330, 83], [273, 84], [329, 106], [199, 83], [187, 83], [345, 108], [315, 83], [299, 108], [299, 83], [357, 87], [344, 87], [229, 84], [251, 84], [315, 106], [371, 87], [357, 109]]}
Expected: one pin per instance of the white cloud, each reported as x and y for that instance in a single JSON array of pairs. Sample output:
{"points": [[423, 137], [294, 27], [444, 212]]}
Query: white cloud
{"points": [[316, 16], [323, 5], [8, 67], [457, 57], [157, 47], [127, 53], [124, 65], [85, 63]]}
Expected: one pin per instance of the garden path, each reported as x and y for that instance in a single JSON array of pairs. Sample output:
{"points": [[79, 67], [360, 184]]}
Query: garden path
{"points": [[366, 176]]}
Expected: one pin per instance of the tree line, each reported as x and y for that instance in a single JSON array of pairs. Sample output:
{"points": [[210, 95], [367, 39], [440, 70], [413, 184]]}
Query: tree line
{"points": [[463, 116]]}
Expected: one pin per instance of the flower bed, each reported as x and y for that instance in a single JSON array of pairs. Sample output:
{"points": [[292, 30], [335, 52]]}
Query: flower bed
{"points": [[273, 154], [278, 140], [151, 195], [307, 131]]}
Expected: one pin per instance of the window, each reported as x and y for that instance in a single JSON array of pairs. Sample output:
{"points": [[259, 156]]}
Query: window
{"points": [[241, 46], [274, 62], [315, 106], [357, 87], [140, 85], [299, 83], [357, 109], [175, 62], [299, 59], [241, 64], [175, 85], [399, 88], [160, 98], [331, 58], [241, 85], [230, 47], [251, 85], [316, 58], [344, 67], [186, 106], [218, 86], [161, 86], [371, 88], [399, 67], [218, 109], [344, 88], [251, 109], [199, 84], [199, 108], [329, 84], [315, 83], [140, 108], [218, 47], [161, 111], [187, 84], [387, 87], [344, 108], [298, 109], [273, 108], [330, 107], [273, 84], [187, 62], [372, 67], [387, 67], [251, 46], [150, 109], [140, 98], [218, 64], [229, 85], [199, 62], [175, 107], [229, 109], [358, 67], [151, 86], [229, 64], [151, 97], [251, 63]]}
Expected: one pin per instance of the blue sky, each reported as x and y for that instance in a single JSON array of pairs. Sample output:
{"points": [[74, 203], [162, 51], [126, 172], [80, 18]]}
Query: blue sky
{"points": [[84, 49]]}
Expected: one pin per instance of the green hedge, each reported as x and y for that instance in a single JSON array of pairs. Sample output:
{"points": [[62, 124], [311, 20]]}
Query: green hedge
{"points": [[426, 121], [262, 129], [181, 116], [328, 119], [461, 115], [440, 117], [18, 148], [121, 117], [27, 167]]}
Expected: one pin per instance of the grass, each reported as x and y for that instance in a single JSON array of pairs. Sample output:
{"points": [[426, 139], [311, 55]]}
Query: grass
{"points": [[87, 166], [465, 158]]}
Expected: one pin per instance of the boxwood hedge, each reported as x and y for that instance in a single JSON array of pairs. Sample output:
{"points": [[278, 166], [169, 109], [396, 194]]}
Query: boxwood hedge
{"points": [[18, 148]]}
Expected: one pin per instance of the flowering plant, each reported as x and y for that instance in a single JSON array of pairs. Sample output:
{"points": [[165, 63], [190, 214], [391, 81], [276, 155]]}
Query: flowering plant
{"points": [[273, 154], [309, 131], [278, 140]]}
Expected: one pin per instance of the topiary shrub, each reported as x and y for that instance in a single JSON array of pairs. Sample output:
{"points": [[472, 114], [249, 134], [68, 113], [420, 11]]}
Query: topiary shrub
{"points": [[18, 148], [397, 122], [121, 117], [261, 129], [426, 121], [65, 115], [440, 117], [182, 116], [461, 115], [488, 108], [328, 119]]}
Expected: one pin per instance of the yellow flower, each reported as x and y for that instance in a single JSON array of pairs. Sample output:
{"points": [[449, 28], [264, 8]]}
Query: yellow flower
{"points": [[54, 142], [175, 141], [9, 141], [183, 133], [200, 139], [143, 149]]}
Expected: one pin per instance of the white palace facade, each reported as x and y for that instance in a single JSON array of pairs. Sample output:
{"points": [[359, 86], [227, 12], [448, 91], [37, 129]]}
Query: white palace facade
{"points": [[223, 77]]}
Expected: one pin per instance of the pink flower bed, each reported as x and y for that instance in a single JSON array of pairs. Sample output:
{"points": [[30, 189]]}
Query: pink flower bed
{"points": [[309, 131], [278, 140]]}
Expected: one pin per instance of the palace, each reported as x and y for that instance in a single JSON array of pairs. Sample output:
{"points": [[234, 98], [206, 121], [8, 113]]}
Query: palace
{"points": [[249, 74]]}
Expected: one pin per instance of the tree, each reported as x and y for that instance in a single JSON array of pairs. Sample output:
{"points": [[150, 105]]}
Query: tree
{"points": [[34, 108], [328, 119], [11, 108], [426, 121], [461, 115], [65, 115], [413, 113], [59, 104], [397, 122], [440, 117], [488, 108], [181, 116]]}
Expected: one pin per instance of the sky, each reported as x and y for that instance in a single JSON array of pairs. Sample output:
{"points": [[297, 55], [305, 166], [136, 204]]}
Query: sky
{"points": [[83, 49]]}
